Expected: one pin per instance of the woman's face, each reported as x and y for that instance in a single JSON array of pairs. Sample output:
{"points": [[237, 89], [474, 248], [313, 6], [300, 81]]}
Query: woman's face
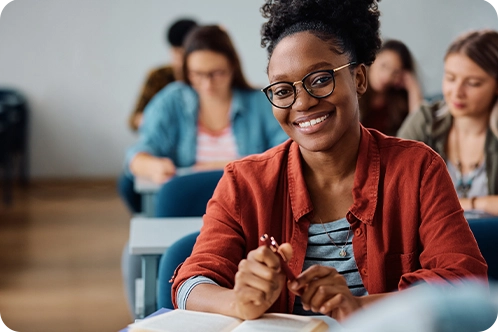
{"points": [[467, 88], [316, 124], [210, 73], [386, 71]]}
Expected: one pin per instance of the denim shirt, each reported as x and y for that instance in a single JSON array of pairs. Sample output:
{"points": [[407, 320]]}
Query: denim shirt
{"points": [[171, 118]]}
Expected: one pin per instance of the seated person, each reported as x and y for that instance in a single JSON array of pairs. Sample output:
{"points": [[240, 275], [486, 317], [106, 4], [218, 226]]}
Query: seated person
{"points": [[212, 118], [393, 89], [463, 128], [360, 214], [162, 76]]}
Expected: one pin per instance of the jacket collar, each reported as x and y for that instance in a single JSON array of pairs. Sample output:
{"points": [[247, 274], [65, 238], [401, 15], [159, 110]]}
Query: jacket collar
{"points": [[365, 187]]}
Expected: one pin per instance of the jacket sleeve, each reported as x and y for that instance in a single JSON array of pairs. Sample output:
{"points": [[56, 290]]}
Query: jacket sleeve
{"points": [[416, 125], [449, 251], [220, 246], [156, 135]]}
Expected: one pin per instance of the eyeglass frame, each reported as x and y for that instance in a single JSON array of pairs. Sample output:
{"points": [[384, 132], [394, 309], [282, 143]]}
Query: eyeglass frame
{"points": [[212, 75], [293, 84]]}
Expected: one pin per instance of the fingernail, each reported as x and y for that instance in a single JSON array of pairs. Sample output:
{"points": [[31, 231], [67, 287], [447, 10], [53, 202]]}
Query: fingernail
{"points": [[294, 285], [323, 310]]}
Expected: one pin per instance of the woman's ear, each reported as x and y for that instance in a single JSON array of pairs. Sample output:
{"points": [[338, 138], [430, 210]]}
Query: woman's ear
{"points": [[361, 79]]}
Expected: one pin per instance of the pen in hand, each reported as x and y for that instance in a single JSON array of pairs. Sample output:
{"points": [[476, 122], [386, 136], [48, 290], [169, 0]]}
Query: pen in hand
{"points": [[273, 245]]}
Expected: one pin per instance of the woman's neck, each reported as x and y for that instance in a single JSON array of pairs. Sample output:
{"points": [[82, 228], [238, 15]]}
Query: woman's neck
{"points": [[334, 165], [214, 112], [466, 142], [471, 126]]}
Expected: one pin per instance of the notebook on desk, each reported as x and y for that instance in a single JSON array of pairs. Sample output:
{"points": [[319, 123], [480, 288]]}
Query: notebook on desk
{"points": [[193, 321]]}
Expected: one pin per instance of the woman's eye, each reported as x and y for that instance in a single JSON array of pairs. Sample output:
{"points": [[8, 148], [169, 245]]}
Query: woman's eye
{"points": [[449, 78], [321, 80], [282, 92], [474, 84]]}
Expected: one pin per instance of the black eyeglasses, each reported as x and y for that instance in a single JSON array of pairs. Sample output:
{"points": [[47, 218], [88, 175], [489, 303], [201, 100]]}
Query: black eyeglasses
{"points": [[318, 84]]}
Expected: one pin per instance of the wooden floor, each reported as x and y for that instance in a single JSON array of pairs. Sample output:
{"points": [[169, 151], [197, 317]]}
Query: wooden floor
{"points": [[60, 249]]}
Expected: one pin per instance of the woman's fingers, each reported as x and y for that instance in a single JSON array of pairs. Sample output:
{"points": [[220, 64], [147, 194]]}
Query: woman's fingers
{"points": [[315, 272], [257, 276], [266, 256], [325, 291], [285, 250]]}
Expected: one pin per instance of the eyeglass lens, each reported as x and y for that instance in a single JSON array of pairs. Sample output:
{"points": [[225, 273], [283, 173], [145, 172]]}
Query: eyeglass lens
{"points": [[317, 84]]}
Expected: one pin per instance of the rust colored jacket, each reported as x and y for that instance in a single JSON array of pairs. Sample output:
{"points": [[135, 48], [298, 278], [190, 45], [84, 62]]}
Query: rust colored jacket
{"points": [[407, 221]]}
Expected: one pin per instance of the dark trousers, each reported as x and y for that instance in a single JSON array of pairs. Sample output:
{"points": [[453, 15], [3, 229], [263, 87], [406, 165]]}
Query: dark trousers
{"points": [[132, 199]]}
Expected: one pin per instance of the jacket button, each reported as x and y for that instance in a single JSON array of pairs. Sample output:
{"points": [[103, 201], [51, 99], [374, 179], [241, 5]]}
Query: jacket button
{"points": [[364, 271], [358, 232]]}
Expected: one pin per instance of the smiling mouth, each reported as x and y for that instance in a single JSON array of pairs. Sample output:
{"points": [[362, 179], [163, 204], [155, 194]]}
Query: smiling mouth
{"points": [[312, 122]]}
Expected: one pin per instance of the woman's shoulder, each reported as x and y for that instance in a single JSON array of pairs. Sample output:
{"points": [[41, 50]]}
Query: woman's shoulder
{"points": [[429, 120], [396, 149]]}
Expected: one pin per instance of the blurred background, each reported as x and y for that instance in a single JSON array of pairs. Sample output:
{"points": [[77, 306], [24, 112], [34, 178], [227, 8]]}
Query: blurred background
{"points": [[80, 66]]}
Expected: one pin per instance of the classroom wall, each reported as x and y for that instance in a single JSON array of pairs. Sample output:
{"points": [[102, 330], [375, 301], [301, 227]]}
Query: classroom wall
{"points": [[81, 63]]}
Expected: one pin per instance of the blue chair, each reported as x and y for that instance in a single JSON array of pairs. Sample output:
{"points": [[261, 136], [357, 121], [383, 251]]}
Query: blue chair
{"points": [[187, 195], [17, 106], [6, 131], [170, 260], [182, 196], [486, 233]]}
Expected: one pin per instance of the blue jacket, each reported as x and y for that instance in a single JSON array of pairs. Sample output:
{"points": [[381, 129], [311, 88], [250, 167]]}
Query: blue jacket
{"points": [[171, 117]]}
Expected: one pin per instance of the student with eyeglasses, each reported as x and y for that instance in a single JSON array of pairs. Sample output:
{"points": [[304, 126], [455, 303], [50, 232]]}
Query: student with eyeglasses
{"points": [[360, 214]]}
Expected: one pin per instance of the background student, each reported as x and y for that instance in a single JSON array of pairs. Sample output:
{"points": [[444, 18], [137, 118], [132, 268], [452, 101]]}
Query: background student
{"points": [[463, 128], [212, 118], [360, 214], [393, 89], [158, 78]]}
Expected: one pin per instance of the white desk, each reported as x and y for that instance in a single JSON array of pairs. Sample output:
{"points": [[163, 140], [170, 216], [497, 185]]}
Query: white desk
{"points": [[150, 237]]}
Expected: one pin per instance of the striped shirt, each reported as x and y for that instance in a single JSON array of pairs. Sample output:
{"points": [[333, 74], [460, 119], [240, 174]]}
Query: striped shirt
{"points": [[215, 146], [320, 251]]}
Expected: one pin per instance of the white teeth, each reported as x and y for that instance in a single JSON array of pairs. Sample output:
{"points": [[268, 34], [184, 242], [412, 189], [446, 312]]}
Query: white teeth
{"points": [[312, 122]]}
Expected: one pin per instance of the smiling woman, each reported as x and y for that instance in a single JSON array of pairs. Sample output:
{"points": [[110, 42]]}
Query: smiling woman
{"points": [[360, 214]]}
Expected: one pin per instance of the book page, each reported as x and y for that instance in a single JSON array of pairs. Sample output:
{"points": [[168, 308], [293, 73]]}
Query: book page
{"points": [[283, 323], [187, 321]]}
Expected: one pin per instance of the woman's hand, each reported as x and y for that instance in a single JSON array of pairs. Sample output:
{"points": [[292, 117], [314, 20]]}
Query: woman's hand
{"points": [[323, 290], [411, 84], [206, 166], [156, 169], [259, 281]]}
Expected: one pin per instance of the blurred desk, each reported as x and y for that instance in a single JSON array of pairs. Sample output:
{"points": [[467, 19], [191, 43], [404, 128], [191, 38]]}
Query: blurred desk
{"points": [[150, 237], [148, 190]]}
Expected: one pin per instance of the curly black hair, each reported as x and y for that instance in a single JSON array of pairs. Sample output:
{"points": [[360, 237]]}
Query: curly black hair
{"points": [[351, 25]]}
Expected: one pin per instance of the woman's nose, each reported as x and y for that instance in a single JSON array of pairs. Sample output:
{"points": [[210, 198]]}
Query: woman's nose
{"points": [[304, 101]]}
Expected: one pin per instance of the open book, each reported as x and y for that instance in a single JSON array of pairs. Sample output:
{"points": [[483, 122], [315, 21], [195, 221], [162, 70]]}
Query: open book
{"points": [[194, 321]]}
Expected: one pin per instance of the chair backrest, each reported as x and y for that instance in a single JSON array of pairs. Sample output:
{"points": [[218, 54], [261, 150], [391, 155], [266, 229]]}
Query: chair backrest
{"points": [[182, 196], [486, 233], [187, 195]]}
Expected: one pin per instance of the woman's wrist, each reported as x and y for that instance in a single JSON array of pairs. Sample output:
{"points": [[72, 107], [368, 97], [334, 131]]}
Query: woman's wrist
{"points": [[473, 203]]}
